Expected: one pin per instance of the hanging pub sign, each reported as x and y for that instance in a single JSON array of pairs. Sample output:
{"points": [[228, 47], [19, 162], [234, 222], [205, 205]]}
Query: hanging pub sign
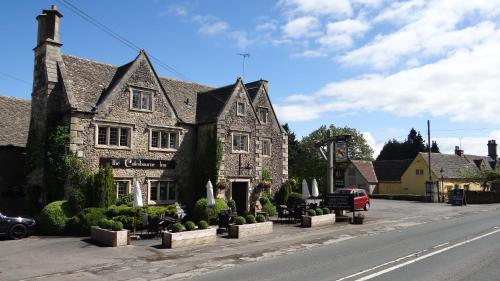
{"points": [[128, 163], [341, 151]]}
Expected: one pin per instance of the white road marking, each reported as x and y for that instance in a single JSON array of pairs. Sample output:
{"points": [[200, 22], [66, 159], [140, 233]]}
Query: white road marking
{"points": [[373, 275], [440, 245]]}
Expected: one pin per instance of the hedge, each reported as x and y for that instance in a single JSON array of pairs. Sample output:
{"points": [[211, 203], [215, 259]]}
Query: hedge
{"points": [[52, 219]]}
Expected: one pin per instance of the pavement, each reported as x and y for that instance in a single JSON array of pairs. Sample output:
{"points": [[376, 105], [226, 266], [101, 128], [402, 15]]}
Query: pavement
{"points": [[392, 230]]}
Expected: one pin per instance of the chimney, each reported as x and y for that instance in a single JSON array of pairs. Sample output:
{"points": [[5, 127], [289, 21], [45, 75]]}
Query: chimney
{"points": [[458, 151], [492, 149], [48, 26]]}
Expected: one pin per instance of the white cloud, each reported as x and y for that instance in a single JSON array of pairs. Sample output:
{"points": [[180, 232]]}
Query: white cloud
{"points": [[212, 28], [295, 113], [241, 39], [270, 25], [376, 146], [470, 145], [338, 8], [310, 54], [340, 34], [301, 27]]}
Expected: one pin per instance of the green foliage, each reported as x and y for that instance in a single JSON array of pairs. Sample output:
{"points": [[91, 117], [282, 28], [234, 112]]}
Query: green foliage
{"points": [[284, 192], [156, 211], [250, 219], [311, 212], [110, 224], [201, 212], [202, 224], [208, 163], [102, 188], [190, 225], [260, 218], [128, 221], [319, 211], [240, 220], [486, 179], [269, 208], [294, 199], [264, 200], [408, 149], [52, 220], [293, 152], [76, 227], [266, 175], [77, 200], [125, 200], [57, 153], [92, 215], [177, 227], [232, 205], [122, 210], [326, 211]]}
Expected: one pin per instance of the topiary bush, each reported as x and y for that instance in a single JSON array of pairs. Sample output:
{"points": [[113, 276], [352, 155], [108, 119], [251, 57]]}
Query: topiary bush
{"points": [[125, 200], [326, 211], [121, 210], [116, 225], [270, 209], [77, 200], [319, 211], [52, 219], [284, 192], [294, 199], [177, 227], [264, 200], [250, 219], [240, 220], [105, 223], [190, 225], [311, 212], [200, 209], [260, 218], [75, 227], [202, 225], [128, 221], [232, 205]]}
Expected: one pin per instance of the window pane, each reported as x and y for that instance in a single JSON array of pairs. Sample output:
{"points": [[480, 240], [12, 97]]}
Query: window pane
{"points": [[171, 191], [153, 195], [154, 138], [173, 140], [136, 95], [101, 137], [266, 147], [240, 108], [146, 101], [164, 139], [163, 190], [113, 136], [244, 143], [235, 142], [124, 137], [122, 187]]}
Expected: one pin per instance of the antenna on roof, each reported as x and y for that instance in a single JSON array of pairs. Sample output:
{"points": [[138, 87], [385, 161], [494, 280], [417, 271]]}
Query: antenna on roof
{"points": [[244, 56]]}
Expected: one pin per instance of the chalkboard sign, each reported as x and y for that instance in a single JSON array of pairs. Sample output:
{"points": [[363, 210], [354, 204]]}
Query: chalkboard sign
{"points": [[339, 201], [456, 197]]}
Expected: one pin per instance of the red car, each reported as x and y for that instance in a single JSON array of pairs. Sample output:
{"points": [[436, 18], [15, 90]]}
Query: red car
{"points": [[361, 199]]}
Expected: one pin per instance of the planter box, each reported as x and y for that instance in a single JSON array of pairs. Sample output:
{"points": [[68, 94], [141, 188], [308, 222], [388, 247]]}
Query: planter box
{"points": [[109, 237], [250, 230], [188, 238], [321, 220]]}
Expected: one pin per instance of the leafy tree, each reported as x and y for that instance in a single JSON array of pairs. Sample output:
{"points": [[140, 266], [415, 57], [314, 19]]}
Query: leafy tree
{"points": [[414, 143], [487, 179], [102, 188], [293, 150]]}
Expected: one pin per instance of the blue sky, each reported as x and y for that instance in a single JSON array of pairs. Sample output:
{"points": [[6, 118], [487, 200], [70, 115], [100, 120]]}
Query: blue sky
{"points": [[379, 66]]}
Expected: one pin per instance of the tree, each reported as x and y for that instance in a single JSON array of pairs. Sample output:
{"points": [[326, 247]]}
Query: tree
{"points": [[293, 150], [101, 188], [487, 179], [414, 143]]}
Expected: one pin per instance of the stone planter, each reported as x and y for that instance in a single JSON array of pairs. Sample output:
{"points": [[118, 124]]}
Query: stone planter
{"points": [[109, 237], [308, 221], [250, 230], [188, 238]]}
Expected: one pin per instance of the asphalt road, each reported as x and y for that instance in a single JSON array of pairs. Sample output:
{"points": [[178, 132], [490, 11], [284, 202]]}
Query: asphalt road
{"points": [[460, 248]]}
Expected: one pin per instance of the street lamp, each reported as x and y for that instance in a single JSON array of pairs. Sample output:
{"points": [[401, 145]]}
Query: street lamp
{"points": [[442, 185]]}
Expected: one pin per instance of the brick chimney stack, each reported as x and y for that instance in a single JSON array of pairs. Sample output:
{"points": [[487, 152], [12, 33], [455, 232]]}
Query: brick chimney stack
{"points": [[492, 149], [458, 151], [48, 25]]}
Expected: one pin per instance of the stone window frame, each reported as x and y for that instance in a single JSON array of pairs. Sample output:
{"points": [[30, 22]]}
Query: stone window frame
{"points": [[142, 91], [270, 147], [129, 186], [264, 109], [248, 143], [108, 125], [170, 181], [166, 129], [238, 112]]}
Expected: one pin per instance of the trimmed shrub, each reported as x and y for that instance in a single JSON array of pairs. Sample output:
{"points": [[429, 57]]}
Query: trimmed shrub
{"points": [[121, 210], [270, 209], [284, 192], [190, 225], [177, 227], [75, 227], [105, 223], [311, 212], [319, 211], [93, 215], [250, 219], [326, 211], [116, 225], [264, 200], [77, 200], [260, 218], [295, 198], [240, 220], [102, 188], [125, 200], [53, 217], [232, 204], [200, 209], [202, 225], [127, 221]]}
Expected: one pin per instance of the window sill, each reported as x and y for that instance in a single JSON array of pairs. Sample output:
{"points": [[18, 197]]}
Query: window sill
{"points": [[240, 152], [142, 110], [113, 147], [163, 149]]}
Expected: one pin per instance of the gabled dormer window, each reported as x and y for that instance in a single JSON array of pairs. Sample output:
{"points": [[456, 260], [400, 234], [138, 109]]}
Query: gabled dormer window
{"points": [[263, 115], [240, 108], [141, 100]]}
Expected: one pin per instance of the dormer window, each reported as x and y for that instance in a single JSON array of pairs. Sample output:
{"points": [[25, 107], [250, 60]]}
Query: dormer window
{"points": [[263, 115], [141, 100], [240, 109]]}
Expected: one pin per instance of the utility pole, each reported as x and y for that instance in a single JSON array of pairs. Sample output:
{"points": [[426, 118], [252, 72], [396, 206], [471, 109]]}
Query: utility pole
{"points": [[244, 56]]}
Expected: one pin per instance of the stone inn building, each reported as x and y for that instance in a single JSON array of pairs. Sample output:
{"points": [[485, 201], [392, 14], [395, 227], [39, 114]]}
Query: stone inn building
{"points": [[152, 129]]}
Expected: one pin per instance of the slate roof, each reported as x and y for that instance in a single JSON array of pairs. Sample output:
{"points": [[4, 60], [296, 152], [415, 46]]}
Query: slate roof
{"points": [[478, 160], [253, 89], [366, 170], [454, 166], [390, 170], [211, 103], [14, 121]]}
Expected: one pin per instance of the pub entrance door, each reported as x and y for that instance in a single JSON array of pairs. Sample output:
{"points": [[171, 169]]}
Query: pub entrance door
{"points": [[239, 191]]}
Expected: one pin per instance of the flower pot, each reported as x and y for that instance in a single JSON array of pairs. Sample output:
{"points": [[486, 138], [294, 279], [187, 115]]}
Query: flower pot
{"points": [[308, 221], [109, 237], [358, 220], [188, 238], [250, 230]]}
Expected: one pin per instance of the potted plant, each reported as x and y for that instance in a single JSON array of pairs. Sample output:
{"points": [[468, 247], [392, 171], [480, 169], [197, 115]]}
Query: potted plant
{"points": [[318, 217], [188, 234], [250, 226], [110, 233], [358, 219]]}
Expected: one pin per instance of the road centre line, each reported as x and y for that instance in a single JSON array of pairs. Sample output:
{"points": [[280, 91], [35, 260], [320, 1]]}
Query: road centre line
{"points": [[441, 245], [373, 275]]}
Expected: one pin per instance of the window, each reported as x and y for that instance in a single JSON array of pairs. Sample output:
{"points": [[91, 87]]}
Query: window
{"points": [[161, 191], [240, 142], [141, 100], [266, 147], [161, 139], [263, 115], [420, 172], [240, 108], [122, 188], [112, 136]]}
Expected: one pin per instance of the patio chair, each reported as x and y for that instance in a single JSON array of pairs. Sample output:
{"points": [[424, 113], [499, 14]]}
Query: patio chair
{"points": [[153, 225], [283, 213]]}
